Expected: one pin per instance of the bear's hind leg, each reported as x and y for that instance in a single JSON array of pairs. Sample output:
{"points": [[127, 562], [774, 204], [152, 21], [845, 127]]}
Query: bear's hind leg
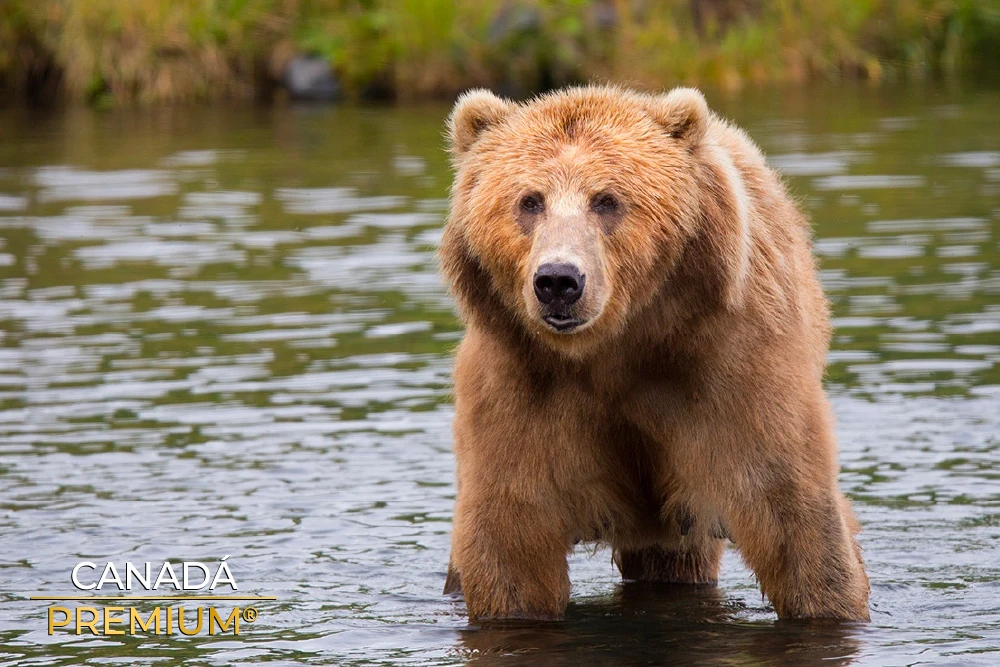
{"points": [[681, 561]]}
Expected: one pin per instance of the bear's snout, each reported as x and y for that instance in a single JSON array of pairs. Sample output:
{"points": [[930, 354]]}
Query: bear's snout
{"points": [[558, 286]]}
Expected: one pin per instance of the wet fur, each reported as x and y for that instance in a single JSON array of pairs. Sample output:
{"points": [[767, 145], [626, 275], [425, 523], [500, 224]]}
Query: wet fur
{"points": [[691, 409]]}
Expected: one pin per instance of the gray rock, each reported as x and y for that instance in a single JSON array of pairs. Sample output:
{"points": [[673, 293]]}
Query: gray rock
{"points": [[310, 78]]}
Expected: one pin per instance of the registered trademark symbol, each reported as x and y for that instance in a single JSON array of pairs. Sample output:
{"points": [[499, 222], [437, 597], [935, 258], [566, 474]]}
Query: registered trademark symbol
{"points": [[249, 614]]}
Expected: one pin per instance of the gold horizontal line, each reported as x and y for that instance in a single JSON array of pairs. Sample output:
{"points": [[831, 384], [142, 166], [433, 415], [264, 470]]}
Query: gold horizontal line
{"points": [[61, 598]]}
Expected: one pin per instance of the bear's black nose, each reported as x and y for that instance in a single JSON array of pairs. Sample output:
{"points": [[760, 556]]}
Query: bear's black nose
{"points": [[559, 284]]}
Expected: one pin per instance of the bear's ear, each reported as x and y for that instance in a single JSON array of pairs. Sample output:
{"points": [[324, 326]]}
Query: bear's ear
{"points": [[474, 112], [682, 112]]}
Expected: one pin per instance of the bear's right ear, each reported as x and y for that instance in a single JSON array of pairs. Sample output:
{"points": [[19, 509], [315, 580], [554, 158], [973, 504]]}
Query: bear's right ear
{"points": [[682, 112], [474, 112]]}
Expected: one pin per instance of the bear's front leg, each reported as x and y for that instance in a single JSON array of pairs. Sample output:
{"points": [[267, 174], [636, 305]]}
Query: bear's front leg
{"points": [[796, 530], [800, 545], [773, 481], [522, 457], [509, 559]]}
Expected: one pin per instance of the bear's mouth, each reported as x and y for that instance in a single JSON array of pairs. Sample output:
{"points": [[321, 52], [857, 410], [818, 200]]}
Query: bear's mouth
{"points": [[563, 323]]}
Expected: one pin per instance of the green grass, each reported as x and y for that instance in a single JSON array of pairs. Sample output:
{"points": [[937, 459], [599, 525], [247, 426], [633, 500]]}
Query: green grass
{"points": [[162, 51]]}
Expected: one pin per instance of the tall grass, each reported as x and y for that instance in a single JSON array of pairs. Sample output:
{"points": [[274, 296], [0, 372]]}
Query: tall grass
{"points": [[153, 51]]}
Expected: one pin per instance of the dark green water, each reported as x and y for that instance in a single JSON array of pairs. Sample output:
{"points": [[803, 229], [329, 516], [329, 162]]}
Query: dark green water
{"points": [[222, 333]]}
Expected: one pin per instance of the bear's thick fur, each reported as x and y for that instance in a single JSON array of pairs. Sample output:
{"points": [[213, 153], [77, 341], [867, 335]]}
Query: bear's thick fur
{"points": [[643, 360]]}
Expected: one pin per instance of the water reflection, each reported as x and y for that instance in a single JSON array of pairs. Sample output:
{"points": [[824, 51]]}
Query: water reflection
{"points": [[657, 625]]}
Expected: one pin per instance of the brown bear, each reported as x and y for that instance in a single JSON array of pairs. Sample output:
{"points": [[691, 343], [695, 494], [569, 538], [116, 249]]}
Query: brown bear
{"points": [[643, 359]]}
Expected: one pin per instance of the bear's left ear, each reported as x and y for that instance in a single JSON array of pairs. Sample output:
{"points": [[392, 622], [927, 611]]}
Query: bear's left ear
{"points": [[474, 112], [682, 112]]}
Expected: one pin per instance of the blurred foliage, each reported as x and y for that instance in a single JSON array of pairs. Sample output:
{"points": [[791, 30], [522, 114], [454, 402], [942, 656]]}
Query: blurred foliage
{"points": [[177, 50]]}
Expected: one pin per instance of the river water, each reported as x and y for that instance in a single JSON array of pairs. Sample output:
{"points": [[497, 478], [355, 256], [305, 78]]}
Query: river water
{"points": [[223, 334]]}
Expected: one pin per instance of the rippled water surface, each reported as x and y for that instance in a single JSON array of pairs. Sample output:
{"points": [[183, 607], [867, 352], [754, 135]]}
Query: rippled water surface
{"points": [[223, 334]]}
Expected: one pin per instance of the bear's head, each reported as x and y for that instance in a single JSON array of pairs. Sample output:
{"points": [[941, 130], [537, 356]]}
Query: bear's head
{"points": [[570, 213]]}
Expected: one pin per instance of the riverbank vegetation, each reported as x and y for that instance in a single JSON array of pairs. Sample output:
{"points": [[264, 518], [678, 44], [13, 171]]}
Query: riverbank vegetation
{"points": [[163, 51]]}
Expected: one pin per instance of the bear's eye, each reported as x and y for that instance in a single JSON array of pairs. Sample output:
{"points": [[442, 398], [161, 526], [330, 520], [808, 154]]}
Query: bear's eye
{"points": [[531, 203], [604, 203]]}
